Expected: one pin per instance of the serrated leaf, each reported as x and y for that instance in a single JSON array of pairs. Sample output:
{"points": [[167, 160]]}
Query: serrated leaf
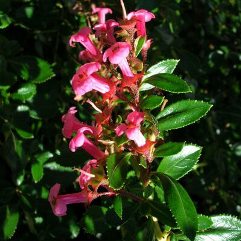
{"points": [[182, 113], [168, 149], [10, 223], [4, 20], [180, 205], [223, 228], [169, 82], [178, 165], [204, 222], [25, 92], [165, 66], [37, 171], [151, 102], [33, 69], [139, 43], [118, 207], [117, 165]]}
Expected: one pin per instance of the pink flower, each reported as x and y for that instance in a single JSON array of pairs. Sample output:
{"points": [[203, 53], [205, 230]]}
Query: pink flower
{"points": [[101, 13], [80, 140], [86, 80], [83, 37], [59, 202], [86, 175], [72, 124], [108, 29], [117, 54], [132, 128], [141, 16]]}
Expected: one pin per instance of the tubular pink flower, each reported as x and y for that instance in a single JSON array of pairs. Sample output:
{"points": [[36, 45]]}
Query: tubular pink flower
{"points": [[101, 13], [108, 29], [72, 124], [83, 37], [86, 80], [132, 128], [141, 17], [59, 202], [80, 140], [117, 54], [86, 175]]}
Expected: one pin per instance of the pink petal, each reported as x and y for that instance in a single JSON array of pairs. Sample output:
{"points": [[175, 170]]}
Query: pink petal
{"points": [[135, 135], [119, 130], [88, 69], [80, 36], [135, 118], [76, 141]]}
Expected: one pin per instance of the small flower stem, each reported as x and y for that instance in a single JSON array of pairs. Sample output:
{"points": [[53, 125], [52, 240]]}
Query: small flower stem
{"points": [[123, 9]]}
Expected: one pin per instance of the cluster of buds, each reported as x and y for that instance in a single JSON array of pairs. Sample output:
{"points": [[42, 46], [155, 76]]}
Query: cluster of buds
{"points": [[109, 80]]}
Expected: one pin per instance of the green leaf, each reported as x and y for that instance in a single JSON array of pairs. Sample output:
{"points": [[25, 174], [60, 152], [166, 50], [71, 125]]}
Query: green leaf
{"points": [[223, 228], [4, 20], [181, 206], [118, 206], [182, 113], [94, 220], [10, 223], [33, 69], [25, 92], [180, 164], [44, 156], [169, 82], [204, 222], [139, 42], [37, 171], [165, 66], [117, 165], [151, 102], [168, 149]]}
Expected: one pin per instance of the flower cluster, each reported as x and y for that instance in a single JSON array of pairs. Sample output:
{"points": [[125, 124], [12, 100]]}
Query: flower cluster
{"points": [[109, 80]]}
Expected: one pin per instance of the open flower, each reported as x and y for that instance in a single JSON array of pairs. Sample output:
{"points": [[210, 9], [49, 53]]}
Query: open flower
{"points": [[59, 202], [107, 29], [117, 54], [132, 128], [86, 80], [141, 17], [80, 140], [101, 13], [83, 37]]}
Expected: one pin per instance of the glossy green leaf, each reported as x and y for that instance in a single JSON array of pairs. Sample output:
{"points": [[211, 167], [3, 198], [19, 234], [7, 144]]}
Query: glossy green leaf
{"points": [[24, 133], [169, 82], [10, 223], [165, 66], [117, 165], [4, 20], [223, 228], [33, 69], [168, 149], [139, 42], [44, 156], [182, 113], [178, 165], [180, 205], [25, 92], [151, 102], [118, 206], [204, 222], [37, 171]]}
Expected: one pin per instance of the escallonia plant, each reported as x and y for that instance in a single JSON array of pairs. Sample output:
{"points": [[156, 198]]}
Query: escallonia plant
{"points": [[133, 171]]}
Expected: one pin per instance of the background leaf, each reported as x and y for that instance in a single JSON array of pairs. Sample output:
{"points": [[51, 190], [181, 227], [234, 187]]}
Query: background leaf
{"points": [[10, 223]]}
